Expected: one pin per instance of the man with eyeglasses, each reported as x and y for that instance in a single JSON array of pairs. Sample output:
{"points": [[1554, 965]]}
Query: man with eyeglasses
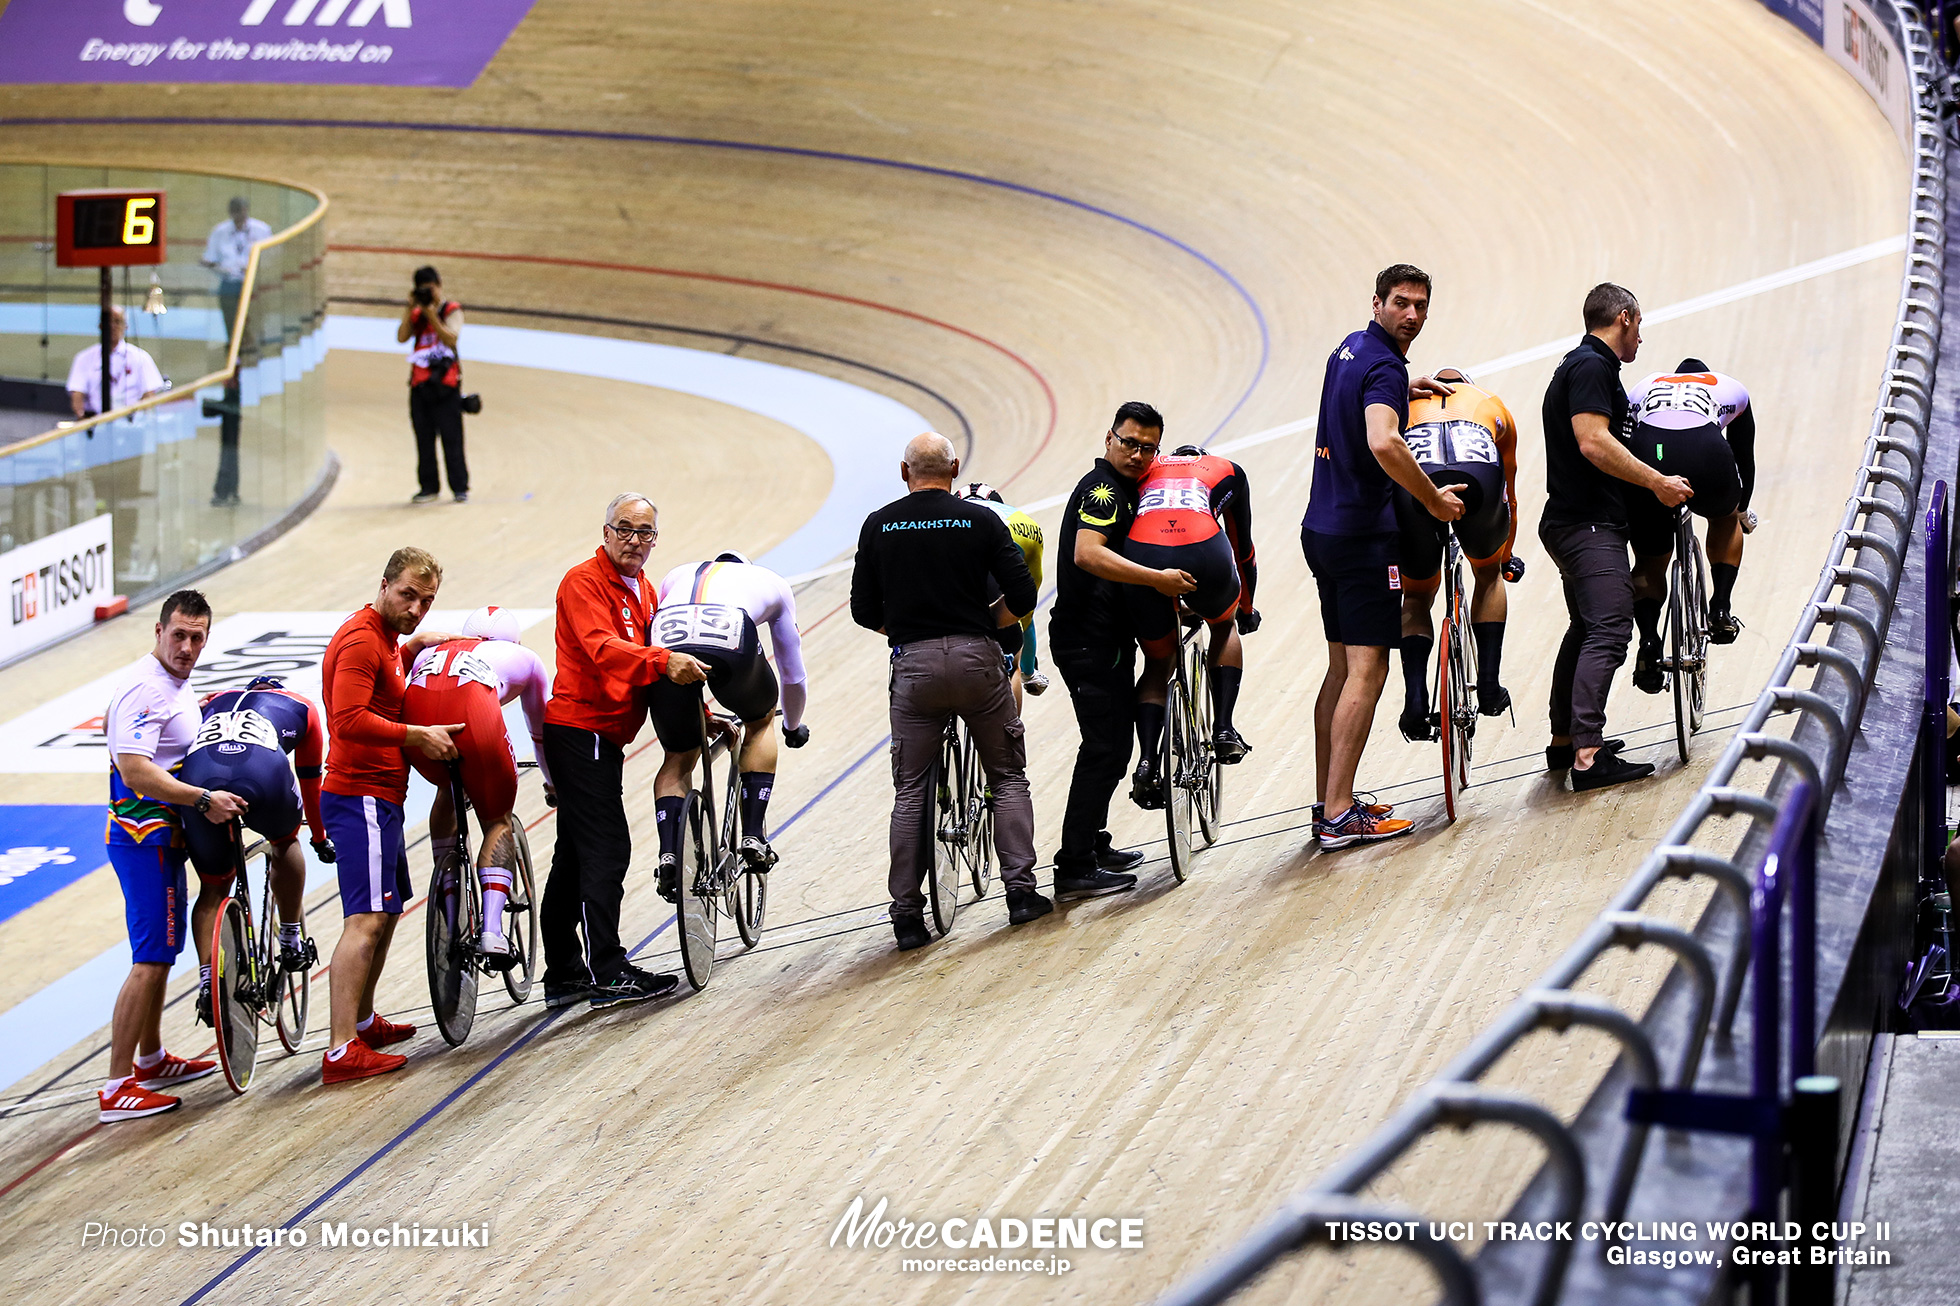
{"points": [[1091, 642], [606, 661]]}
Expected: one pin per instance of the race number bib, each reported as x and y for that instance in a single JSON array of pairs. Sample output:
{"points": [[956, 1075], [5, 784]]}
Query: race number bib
{"points": [[1182, 495], [1438, 444], [710, 625], [466, 665], [1680, 396], [234, 730]]}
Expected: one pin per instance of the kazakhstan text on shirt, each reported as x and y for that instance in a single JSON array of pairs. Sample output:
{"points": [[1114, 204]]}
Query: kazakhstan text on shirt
{"points": [[926, 525]]}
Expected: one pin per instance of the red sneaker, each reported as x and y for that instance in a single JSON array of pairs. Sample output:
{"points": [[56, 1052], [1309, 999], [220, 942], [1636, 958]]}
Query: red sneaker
{"points": [[357, 1061], [173, 1070], [384, 1031], [131, 1101]]}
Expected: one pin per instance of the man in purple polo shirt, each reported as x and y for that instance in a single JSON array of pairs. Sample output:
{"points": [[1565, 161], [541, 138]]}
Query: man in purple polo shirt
{"points": [[1352, 545]]}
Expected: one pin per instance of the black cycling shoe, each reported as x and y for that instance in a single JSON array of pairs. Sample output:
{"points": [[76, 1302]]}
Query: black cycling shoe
{"points": [[1495, 701], [634, 985], [1024, 905], [1126, 859], [497, 960], [1146, 790], [1607, 769], [1723, 626], [1414, 722], [757, 854], [204, 1006], [910, 931], [1559, 757], [1648, 677], [668, 881], [1230, 746], [1070, 885], [292, 959]]}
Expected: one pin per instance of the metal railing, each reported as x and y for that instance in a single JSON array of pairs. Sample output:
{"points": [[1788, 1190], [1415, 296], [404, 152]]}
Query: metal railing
{"points": [[1852, 604]]}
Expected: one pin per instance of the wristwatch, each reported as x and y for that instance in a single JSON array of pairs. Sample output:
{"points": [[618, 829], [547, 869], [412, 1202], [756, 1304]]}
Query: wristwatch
{"points": [[204, 800]]}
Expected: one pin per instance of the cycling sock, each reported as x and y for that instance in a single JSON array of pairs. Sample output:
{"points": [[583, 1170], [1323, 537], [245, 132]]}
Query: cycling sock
{"points": [[667, 824], [1490, 652], [1150, 729], [1647, 612], [1415, 671], [496, 888], [1030, 661], [203, 976], [1724, 585], [291, 935], [756, 788], [1225, 694]]}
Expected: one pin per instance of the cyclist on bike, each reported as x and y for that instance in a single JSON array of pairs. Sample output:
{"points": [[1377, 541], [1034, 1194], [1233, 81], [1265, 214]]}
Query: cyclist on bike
{"points": [[243, 747], [1695, 423], [1027, 537], [1194, 514], [714, 612], [469, 680], [1469, 440]]}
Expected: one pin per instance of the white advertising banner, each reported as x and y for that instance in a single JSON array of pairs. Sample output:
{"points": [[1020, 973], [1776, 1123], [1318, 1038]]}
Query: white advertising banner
{"points": [[1864, 46], [65, 734], [54, 585]]}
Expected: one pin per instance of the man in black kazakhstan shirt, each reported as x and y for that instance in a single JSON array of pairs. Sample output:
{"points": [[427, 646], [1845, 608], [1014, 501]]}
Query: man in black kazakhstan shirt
{"points": [[1091, 644], [921, 580]]}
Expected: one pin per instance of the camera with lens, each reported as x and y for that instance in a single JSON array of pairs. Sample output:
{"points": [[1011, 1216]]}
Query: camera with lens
{"points": [[425, 295]]}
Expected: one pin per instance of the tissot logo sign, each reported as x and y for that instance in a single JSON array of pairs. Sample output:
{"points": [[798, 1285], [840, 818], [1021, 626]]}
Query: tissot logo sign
{"points": [[373, 42]]}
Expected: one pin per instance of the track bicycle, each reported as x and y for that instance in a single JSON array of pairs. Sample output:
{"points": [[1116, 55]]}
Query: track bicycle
{"points": [[714, 878], [1686, 660], [249, 988], [1193, 777], [959, 825], [455, 926]]}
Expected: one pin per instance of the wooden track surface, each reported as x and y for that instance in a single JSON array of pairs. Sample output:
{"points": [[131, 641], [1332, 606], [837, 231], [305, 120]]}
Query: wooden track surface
{"points": [[1188, 1054]]}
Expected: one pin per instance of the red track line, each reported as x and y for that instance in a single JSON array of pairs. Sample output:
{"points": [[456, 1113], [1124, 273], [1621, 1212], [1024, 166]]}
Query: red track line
{"points": [[1047, 392], [48, 1160]]}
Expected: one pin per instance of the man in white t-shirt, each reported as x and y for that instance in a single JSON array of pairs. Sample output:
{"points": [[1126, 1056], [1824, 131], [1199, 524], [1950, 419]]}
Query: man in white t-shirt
{"points": [[133, 374], [152, 720], [228, 252]]}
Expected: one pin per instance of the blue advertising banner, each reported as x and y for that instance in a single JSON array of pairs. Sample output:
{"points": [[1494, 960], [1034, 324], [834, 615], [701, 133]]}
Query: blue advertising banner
{"points": [[1805, 14], [322, 42], [46, 848]]}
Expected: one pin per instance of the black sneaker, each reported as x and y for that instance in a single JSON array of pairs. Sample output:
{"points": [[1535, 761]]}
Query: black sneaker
{"points": [[1111, 858], [1723, 626], [1024, 905], [1648, 677], [1495, 701], [558, 995], [1559, 757], [667, 882], [910, 931], [1230, 745], [1070, 885], [1607, 769], [1146, 790], [633, 985], [1414, 722], [426, 496]]}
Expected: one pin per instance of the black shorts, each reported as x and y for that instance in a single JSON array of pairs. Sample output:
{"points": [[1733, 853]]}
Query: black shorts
{"points": [[1210, 563], [740, 678], [1482, 529], [1700, 453], [261, 776], [1360, 583]]}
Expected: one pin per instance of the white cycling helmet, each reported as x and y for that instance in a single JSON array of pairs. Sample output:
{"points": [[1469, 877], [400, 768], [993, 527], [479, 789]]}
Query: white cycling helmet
{"points": [[729, 555], [978, 490], [493, 623]]}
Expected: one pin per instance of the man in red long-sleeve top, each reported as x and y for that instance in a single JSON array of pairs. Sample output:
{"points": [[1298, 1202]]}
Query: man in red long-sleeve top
{"points": [[363, 677], [606, 658]]}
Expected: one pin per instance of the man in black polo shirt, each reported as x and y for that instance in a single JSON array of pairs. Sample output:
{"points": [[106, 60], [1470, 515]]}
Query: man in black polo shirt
{"points": [[1353, 545], [1091, 644], [1584, 528], [923, 563]]}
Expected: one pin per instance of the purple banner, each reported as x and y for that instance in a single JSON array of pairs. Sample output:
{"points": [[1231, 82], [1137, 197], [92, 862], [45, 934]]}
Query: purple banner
{"points": [[325, 42], [1806, 14]]}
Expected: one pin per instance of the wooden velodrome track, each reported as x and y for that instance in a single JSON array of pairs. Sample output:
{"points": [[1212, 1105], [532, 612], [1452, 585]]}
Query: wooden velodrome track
{"points": [[1201, 197]]}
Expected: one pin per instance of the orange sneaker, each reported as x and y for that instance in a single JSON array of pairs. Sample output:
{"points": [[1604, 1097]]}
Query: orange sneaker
{"points": [[131, 1101], [357, 1061], [1358, 825], [384, 1031], [173, 1070]]}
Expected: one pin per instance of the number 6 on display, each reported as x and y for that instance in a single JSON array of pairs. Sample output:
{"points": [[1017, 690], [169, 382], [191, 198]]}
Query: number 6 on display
{"points": [[138, 227]]}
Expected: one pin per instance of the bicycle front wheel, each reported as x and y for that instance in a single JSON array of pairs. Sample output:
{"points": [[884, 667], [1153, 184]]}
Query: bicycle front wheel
{"points": [[1677, 650], [452, 908], [1209, 794], [1174, 758], [945, 836], [521, 918], [235, 1000], [1459, 712], [700, 898], [979, 808], [1698, 642], [287, 1001]]}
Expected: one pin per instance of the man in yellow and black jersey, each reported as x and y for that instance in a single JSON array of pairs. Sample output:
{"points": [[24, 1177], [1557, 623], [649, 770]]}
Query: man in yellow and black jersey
{"points": [[1026, 533]]}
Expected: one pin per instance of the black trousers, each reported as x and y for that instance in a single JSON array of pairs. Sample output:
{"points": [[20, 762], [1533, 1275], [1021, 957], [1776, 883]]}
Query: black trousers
{"points": [[436, 412], [1102, 685], [1592, 562], [589, 861]]}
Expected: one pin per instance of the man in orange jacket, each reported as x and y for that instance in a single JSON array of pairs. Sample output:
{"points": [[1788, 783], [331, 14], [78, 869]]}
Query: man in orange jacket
{"points": [[606, 658]]}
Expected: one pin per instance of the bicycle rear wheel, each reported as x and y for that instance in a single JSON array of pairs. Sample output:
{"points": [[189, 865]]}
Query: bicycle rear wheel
{"points": [[979, 810], [1677, 649], [1460, 712], [235, 1001], [946, 836], [747, 895], [697, 911], [1698, 637], [521, 918], [1209, 795], [287, 1002], [1174, 761], [452, 932]]}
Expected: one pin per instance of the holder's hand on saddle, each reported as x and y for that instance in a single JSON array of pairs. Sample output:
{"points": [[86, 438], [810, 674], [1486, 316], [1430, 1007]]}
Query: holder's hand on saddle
{"points": [[435, 742], [225, 806], [685, 670], [1171, 582], [1447, 507], [1674, 491]]}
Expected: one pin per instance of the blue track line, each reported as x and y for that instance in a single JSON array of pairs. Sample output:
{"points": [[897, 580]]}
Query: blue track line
{"points": [[711, 143]]}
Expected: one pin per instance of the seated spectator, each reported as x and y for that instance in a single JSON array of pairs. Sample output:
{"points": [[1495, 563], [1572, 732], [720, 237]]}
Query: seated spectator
{"points": [[133, 374]]}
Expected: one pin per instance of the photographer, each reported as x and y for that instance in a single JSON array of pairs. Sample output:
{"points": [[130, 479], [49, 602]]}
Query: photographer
{"points": [[435, 386]]}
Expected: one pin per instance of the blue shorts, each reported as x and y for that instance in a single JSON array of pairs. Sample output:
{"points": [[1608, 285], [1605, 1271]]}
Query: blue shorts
{"points": [[373, 862], [152, 876]]}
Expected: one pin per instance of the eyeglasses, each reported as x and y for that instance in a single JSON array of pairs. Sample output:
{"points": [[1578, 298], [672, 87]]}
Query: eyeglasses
{"points": [[1134, 446], [644, 534]]}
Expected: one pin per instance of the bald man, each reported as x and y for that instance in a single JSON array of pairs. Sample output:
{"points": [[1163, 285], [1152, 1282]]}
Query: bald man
{"points": [[924, 563]]}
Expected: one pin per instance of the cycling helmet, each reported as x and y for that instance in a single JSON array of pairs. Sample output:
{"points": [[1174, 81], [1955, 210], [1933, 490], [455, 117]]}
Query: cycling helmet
{"points": [[266, 682], [1689, 365], [729, 555], [978, 490], [1188, 451], [1462, 377], [493, 623]]}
